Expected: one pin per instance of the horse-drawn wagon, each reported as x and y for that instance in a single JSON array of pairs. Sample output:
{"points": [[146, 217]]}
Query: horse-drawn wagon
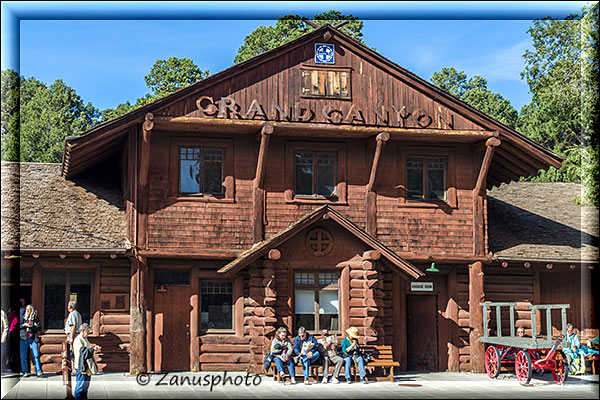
{"points": [[528, 354]]}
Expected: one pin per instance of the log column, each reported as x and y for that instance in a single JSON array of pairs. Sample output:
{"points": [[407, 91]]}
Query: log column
{"points": [[476, 295], [259, 313], [139, 264], [452, 320], [381, 140], [137, 324], [366, 297]]}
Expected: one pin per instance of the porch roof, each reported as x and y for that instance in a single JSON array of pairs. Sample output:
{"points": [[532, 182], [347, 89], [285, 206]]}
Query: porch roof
{"points": [[41, 210], [324, 212], [536, 221]]}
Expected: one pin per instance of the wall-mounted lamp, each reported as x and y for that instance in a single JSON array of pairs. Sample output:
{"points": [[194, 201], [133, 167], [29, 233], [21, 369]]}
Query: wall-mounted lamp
{"points": [[432, 268]]}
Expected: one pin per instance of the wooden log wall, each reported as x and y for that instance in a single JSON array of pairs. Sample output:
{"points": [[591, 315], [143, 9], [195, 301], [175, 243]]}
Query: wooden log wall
{"points": [[224, 352], [112, 325], [515, 284], [183, 225], [281, 212], [425, 230], [259, 312], [176, 224], [499, 285], [462, 300], [366, 300]]}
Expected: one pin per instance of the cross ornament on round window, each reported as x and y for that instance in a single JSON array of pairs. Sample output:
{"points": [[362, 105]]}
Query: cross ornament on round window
{"points": [[319, 242]]}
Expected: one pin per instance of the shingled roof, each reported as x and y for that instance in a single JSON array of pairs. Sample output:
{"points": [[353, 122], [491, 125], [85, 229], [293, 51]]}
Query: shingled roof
{"points": [[539, 221], [41, 209]]}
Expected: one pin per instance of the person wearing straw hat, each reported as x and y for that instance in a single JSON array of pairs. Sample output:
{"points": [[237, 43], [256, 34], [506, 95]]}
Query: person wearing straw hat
{"points": [[352, 352]]}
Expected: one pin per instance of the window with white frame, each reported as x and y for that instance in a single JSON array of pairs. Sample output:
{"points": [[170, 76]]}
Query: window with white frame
{"points": [[317, 300]]}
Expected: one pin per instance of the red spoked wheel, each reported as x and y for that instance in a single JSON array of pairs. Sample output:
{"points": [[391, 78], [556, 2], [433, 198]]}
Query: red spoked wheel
{"points": [[492, 361], [523, 367], [560, 373]]}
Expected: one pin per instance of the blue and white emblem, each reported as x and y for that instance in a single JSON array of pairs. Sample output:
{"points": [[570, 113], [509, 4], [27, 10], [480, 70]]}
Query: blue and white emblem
{"points": [[324, 53]]}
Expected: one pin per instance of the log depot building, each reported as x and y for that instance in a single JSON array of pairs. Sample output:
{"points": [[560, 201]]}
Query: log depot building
{"points": [[317, 184]]}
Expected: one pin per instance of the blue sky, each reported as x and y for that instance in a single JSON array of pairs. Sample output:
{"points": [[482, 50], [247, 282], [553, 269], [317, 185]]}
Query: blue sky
{"points": [[105, 60]]}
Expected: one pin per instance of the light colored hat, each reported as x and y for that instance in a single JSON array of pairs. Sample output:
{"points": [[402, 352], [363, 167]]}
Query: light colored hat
{"points": [[353, 332]]}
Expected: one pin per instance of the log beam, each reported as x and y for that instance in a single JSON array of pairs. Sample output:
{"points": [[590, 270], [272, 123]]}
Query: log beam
{"points": [[274, 254], [490, 144], [476, 296], [258, 184], [381, 139], [144, 168], [478, 220]]}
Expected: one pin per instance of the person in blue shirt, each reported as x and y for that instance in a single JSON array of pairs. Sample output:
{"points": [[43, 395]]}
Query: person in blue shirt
{"points": [[575, 356], [306, 348], [352, 352]]}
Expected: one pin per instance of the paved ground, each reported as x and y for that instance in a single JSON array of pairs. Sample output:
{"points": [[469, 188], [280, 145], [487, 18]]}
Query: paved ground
{"points": [[406, 385]]}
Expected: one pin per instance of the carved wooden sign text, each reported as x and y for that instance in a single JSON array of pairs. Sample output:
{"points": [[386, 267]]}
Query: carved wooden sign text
{"points": [[401, 116]]}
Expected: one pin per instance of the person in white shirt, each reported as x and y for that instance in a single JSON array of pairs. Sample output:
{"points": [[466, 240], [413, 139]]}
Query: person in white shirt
{"points": [[73, 321]]}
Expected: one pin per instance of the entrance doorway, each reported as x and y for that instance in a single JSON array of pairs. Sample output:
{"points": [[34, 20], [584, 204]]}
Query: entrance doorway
{"points": [[422, 333], [171, 326]]}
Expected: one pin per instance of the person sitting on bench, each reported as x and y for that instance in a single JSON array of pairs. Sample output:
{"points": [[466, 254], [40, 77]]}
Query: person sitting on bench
{"points": [[329, 355], [281, 349], [575, 356], [307, 350], [590, 347], [352, 352]]}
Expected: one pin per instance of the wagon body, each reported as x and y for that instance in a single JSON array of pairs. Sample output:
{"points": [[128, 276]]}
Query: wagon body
{"points": [[526, 353]]}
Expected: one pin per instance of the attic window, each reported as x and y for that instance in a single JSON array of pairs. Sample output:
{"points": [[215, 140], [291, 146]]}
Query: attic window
{"points": [[326, 83]]}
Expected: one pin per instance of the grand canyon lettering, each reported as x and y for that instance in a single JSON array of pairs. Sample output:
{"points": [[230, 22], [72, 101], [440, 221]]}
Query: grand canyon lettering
{"points": [[400, 117]]}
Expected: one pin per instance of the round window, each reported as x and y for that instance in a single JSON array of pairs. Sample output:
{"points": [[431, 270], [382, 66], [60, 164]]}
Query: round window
{"points": [[319, 242]]}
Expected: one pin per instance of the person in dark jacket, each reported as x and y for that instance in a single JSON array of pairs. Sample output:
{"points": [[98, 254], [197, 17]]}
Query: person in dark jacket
{"points": [[29, 325], [306, 348]]}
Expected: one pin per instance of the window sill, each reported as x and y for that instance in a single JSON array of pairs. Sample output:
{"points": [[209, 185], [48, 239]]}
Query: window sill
{"points": [[202, 199], [317, 201], [217, 332], [426, 204]]}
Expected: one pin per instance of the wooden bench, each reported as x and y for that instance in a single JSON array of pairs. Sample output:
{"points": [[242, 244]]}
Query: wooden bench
{"points": [[312, 371], [381, 358]]}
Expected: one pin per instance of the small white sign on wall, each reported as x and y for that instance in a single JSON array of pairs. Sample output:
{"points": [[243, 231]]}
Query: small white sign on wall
{"points": [[421, 286]]}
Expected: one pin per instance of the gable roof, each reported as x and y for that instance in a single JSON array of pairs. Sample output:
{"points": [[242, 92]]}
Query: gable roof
{"points": [[532, 221], [517, 155], [324, 212], [42, 210]]}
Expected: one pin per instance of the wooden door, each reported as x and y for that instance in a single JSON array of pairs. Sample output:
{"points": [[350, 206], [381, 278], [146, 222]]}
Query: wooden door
{"points": [[172, 328], [422, 333]]}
